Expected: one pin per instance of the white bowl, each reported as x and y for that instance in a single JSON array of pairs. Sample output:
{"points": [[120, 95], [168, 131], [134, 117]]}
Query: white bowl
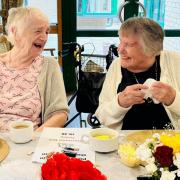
{"points": [[21, 131], [127, 153], [104, 140]]}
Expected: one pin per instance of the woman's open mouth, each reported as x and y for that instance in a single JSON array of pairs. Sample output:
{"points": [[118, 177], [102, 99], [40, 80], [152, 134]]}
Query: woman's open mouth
{"points": [[38, 45]]}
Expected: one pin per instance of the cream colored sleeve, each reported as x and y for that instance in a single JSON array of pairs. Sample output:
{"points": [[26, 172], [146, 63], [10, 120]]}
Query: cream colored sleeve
{"points": [[170, 66], [109, 112]]}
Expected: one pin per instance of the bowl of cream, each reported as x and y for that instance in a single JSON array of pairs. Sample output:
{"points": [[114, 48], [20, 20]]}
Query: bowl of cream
{"points": [[103, 140]]}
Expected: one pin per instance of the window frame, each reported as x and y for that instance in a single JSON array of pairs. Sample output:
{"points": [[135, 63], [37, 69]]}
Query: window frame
{"points": [[113, 33]]}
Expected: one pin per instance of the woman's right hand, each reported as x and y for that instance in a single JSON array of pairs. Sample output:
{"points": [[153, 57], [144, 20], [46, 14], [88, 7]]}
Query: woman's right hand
{"points": [[131, 95]]}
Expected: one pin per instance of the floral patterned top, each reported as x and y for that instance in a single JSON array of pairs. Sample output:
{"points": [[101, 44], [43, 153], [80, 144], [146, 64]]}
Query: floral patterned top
{"points": [[19, 94]]}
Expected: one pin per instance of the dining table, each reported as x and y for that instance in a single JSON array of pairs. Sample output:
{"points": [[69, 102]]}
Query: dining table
{"points": [[108, 163]]}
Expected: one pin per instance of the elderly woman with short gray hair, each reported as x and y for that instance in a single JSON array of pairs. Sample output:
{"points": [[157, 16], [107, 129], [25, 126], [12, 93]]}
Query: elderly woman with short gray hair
{"points": [[142, 86]]}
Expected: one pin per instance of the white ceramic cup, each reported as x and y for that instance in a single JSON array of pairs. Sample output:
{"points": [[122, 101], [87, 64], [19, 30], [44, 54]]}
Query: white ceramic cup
{"points": [[21, 131], [108, 143]]}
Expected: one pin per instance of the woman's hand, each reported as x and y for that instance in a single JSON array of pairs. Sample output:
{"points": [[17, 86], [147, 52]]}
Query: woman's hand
{"points": [[163, 93], [56, 120], [131, 95]]}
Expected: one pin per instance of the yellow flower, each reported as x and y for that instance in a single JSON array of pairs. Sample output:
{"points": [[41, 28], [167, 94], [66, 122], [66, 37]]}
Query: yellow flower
{"points": [[172, 141]]}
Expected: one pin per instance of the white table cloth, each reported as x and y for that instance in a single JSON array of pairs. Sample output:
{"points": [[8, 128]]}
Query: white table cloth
{"points": [[108, 163]]}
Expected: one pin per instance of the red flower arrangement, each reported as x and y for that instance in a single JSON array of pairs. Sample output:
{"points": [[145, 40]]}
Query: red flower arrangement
{"points": [[161, 156], [164, 156], [62, 167]]}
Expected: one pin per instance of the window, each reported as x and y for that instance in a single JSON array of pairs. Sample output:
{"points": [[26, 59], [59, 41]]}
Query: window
{"points": [[155, 10], [165, 12], [97, 14]]}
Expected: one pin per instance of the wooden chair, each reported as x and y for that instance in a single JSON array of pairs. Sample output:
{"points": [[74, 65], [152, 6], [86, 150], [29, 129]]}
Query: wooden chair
{"points": [[5, 45]]}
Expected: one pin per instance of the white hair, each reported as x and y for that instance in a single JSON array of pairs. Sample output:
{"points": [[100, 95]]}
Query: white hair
{"points": [[19, 19], [149, 32]]}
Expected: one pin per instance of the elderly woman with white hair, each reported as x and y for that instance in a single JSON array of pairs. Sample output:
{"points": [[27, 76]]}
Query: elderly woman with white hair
{"points": [[142, 86], [31, 85]]}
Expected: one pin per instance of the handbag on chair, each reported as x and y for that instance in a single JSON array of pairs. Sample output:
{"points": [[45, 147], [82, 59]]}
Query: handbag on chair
{"points": [[89, 88]]}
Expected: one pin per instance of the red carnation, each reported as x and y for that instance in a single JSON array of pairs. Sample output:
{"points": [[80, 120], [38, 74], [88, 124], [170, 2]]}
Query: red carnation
{"points": [[164, 156], [62, 167]]}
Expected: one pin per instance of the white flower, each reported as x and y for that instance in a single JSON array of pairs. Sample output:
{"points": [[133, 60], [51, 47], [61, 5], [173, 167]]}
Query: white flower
{"points": [[161, 169], [166, 175], [177, 160], [149, 140], [143, 152], [151, 167], [156, 136], [150, 160], [178, 173]]}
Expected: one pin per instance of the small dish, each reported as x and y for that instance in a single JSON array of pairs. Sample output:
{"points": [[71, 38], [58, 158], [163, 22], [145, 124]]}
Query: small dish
{"points": [[127, 153], [103, 140]]}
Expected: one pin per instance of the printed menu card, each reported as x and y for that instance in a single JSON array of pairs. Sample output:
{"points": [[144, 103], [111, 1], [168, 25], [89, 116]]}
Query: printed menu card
{"points": [[64, 139]]}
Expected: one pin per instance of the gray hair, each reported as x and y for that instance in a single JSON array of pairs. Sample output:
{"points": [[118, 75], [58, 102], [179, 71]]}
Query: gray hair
{"points": [[150, 33], [20, 18]]}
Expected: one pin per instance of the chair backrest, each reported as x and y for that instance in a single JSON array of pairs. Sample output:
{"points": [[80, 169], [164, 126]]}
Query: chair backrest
{"points": [[112, 52], [92, 71], [4, 44]]}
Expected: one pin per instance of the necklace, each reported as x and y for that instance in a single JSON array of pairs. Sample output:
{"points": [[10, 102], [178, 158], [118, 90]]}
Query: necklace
{"points": [[148, 100], [156, 74]]}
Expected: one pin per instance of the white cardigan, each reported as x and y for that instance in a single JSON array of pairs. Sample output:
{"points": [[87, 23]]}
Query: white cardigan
{"points": [[111, 114]]}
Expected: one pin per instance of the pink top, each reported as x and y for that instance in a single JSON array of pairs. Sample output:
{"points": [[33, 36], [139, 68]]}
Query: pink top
{"points": [[19, 94]]}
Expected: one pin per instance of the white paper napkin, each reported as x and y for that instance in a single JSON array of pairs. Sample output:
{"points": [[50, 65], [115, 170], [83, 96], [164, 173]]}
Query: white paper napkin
{"points": [[20, 170], [147, 92]]}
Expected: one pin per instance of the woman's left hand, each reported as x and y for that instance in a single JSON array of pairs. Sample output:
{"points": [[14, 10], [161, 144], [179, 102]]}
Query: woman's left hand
{"points": [[164, 93]]}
